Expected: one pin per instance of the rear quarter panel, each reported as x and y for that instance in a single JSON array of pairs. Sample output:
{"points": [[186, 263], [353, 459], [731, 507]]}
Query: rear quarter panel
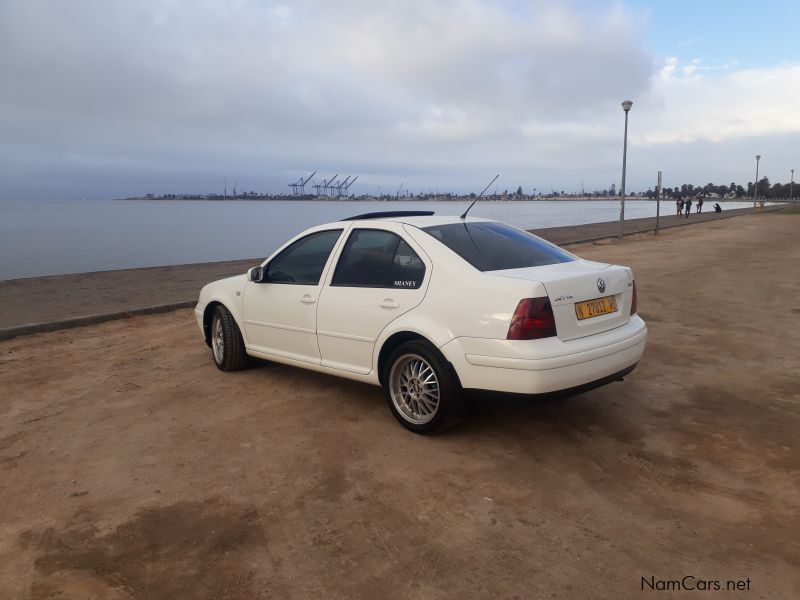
{"points": [[463, 301]]}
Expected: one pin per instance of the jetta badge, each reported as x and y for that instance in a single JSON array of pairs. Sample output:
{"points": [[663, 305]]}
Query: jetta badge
{"points": [[601, 285]]}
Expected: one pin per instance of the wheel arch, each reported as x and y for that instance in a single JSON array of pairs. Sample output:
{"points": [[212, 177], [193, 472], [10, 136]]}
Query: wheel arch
{"points": [[392, 342], [401, 337], [208, 314]]}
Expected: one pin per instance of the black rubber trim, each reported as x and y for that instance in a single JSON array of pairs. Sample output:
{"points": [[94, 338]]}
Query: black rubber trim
{"points": [[390, 214]]}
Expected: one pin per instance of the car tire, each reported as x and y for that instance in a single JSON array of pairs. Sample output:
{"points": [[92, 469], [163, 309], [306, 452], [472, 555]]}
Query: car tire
{"points": [[227, 345], [422, 388]]}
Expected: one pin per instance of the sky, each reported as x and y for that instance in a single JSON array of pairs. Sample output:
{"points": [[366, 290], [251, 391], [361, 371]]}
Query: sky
{"points": [[118, 98]]}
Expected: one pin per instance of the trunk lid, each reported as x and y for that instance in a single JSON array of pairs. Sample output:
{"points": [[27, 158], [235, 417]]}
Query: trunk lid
{"points": [[573, 282]]}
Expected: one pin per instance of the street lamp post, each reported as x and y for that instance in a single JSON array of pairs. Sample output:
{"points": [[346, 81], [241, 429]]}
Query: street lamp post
{"points": [[755, 185], [626, 106]]}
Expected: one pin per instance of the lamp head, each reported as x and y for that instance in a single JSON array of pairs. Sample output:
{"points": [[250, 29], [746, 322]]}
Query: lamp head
{"points": [[626, 106], [758, 157]]}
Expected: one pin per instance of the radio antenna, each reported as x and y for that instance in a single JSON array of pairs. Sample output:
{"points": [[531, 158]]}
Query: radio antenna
{"points": [[464, 216]]}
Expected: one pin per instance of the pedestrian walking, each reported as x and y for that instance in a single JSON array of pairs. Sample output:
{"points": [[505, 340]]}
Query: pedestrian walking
{"points": [[679, 205], [688, 206], [699, 204]]}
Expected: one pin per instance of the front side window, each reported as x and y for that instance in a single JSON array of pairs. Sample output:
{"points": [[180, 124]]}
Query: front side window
{"points": [[490, 246], [303, 261], [376, 258]]}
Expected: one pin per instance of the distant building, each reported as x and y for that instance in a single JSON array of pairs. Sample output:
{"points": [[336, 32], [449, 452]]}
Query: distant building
{"points": [[613, 189]]}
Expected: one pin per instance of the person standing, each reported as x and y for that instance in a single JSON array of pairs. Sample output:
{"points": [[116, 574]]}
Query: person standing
{"points": [[699, 204], [679, 205], [688, 206]]}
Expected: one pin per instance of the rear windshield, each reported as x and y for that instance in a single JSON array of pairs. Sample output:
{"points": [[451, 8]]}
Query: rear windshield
{"points": [[491, 246]]}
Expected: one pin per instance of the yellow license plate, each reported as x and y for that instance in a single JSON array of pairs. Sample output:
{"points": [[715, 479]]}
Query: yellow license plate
{"points": [[595, 308]]}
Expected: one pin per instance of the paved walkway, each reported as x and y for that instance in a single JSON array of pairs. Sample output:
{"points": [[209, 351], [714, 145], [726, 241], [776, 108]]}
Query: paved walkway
{"points": [[608, 229], [45, 303]]}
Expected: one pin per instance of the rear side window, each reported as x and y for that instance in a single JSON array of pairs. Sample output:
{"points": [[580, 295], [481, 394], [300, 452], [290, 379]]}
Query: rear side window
{"points": [[302, 262], [376, 258], [408, 270], [491, 246]]}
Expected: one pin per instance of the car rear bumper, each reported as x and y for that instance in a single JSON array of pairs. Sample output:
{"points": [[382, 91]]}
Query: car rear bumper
{"points": [[546, 366]]}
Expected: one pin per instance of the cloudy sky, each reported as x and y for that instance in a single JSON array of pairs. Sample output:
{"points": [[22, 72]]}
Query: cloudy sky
{"points": [[112, 98]]}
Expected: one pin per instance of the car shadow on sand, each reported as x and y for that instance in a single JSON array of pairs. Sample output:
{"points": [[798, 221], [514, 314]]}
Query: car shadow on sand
{"points": [[596, 412]]}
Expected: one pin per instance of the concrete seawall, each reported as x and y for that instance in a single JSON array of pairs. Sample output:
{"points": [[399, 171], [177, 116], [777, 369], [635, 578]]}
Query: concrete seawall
{"points": [[38, 304]]}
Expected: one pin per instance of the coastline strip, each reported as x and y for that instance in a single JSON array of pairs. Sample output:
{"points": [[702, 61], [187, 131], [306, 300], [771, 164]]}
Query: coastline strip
{"points": [[40, 304]]}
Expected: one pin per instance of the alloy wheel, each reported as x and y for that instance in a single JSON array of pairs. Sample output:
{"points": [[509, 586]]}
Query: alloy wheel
{"points": [[218, 341], [414, 389]]}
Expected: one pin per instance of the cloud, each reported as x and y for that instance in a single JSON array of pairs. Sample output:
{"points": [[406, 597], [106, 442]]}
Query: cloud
{"points": [[119, 97], [684, 106]]}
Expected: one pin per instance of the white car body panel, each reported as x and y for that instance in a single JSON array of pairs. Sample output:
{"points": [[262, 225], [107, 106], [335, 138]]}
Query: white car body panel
{"points": [[350, 319], [547, 365], [282, 320], [568, 283], [462, 311]]}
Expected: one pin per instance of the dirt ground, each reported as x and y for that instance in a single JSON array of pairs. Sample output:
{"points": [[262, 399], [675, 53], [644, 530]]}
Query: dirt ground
{"points": [[130, 467]]}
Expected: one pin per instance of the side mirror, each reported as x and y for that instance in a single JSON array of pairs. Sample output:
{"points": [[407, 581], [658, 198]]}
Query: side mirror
{"points": [[256, 274]]}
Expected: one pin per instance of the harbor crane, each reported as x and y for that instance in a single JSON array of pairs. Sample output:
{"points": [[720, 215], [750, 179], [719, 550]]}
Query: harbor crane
{"points": [[347, 187], [327, 186], [303, 184], [340, 185], [299, 186], [322, 188]]}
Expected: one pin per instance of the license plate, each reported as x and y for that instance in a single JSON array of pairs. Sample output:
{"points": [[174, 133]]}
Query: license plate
{"points": [[595, 308]]}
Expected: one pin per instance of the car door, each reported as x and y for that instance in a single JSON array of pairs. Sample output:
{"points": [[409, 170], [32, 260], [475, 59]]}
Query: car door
{"points": [[378, 277], [280, 312]]}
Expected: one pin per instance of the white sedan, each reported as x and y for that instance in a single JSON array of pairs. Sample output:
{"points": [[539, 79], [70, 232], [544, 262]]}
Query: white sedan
{"points": [[426, 306]]}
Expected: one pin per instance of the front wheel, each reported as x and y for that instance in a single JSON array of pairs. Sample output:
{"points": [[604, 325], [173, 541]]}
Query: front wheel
{"points": [[421, 388], [227, 345]]}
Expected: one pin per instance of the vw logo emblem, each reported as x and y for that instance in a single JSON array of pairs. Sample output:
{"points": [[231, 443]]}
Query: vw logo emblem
{"points": [[601, 285]]}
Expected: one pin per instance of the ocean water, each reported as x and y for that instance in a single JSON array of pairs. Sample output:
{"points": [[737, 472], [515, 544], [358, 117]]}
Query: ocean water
{"points": [[54, 238]]}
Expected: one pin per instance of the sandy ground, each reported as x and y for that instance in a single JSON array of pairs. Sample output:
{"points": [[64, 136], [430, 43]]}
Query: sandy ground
{"points": [[130, 467]]}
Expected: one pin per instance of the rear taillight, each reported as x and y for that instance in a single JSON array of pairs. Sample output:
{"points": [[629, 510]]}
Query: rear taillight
{"points": [[633, 300], [532, 320]]}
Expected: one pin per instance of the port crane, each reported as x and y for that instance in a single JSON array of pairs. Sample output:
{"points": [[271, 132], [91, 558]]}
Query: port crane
{"points": [[322, 188], [327, 186], [339, 186], [299, 186], [347, 187]]}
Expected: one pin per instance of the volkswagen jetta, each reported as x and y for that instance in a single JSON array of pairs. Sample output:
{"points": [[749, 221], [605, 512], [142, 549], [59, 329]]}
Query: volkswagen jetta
{"points": [[427, 306]]}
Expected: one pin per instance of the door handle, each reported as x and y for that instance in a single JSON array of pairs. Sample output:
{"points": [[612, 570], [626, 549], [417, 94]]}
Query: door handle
{"points": [[389, 303], [307, 299]]}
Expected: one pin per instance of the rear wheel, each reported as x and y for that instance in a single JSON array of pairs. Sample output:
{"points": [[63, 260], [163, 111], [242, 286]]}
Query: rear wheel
{"points": [[227, 345], [421, 388]]}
